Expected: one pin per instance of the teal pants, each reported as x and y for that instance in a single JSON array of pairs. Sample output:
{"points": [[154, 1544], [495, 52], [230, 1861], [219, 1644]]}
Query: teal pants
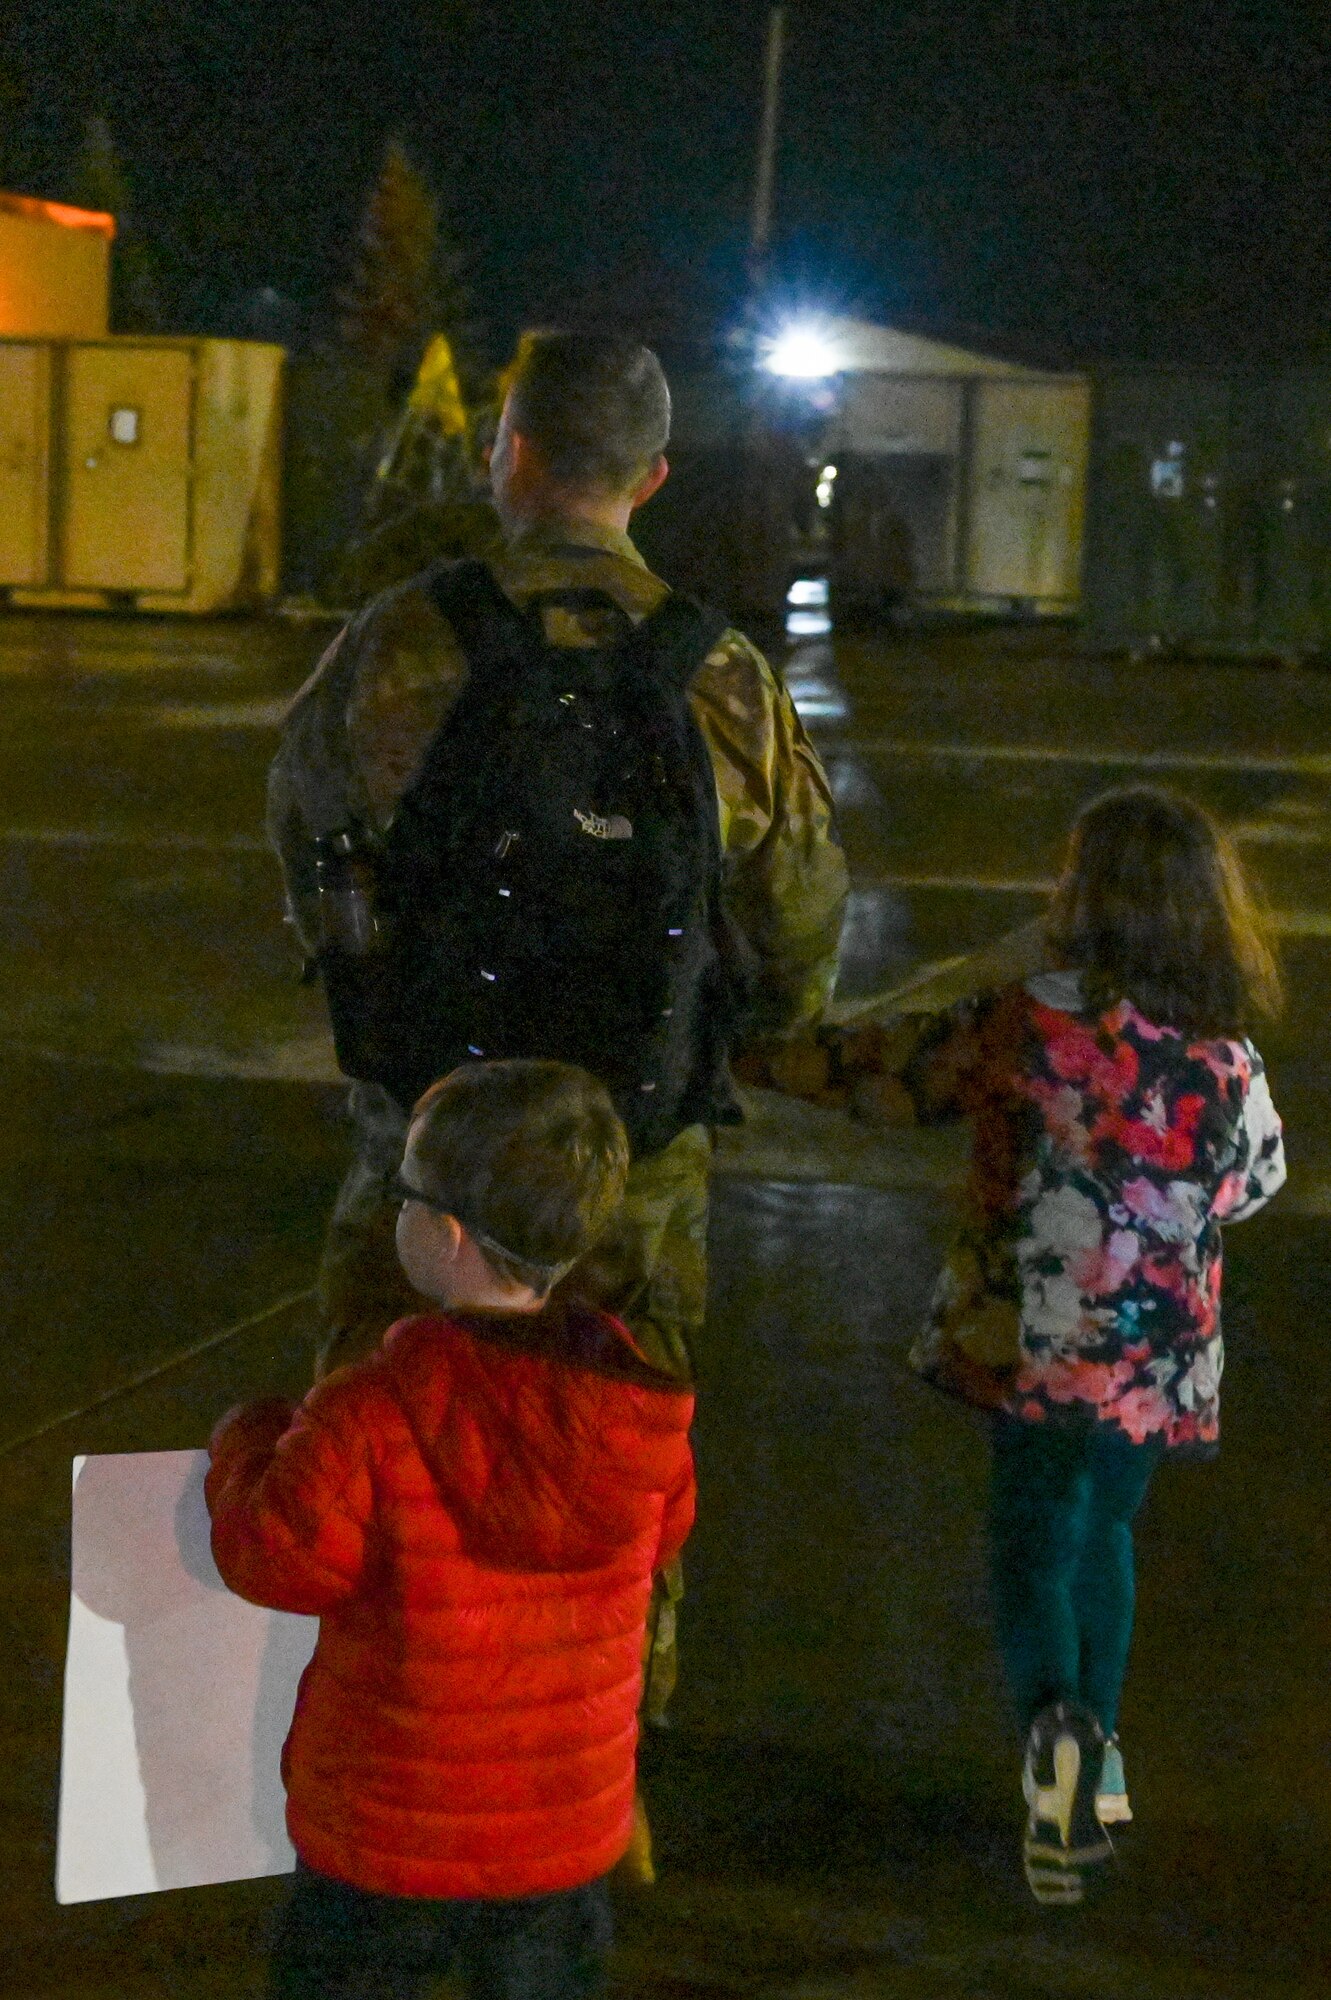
{"points": [[1062, 1503]]}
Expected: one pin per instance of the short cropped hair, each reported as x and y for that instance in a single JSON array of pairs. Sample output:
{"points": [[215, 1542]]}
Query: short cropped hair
{"points": [[530, 1157], [596, 406]]}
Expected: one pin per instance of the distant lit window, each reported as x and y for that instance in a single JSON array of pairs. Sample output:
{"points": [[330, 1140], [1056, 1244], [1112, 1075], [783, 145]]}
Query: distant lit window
{"points": [[124, 425], [826, 485], [808, 590]]}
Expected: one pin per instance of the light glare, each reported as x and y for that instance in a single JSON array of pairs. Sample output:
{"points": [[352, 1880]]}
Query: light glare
{"points": [[803, 352]]}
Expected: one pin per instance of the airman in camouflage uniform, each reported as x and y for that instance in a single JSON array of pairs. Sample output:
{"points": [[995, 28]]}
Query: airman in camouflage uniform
{"points": [[355, 741]]}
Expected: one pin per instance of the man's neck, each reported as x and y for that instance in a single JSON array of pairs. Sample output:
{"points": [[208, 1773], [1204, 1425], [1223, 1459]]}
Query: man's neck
{"points": [[574, 516]]}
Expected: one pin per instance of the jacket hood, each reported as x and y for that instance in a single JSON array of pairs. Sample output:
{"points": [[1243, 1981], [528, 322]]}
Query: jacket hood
{"points": [[551, 1442]]}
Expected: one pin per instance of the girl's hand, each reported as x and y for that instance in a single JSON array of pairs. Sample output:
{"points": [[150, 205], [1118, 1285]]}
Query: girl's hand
{"points": [[882, 1101]]}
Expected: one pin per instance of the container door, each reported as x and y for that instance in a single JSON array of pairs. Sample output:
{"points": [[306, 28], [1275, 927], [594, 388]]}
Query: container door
{"points": [[893, 523], [1165, 521], [894, 443], [1284, 423], [127, 468], [25, 400], [1028, 480]]}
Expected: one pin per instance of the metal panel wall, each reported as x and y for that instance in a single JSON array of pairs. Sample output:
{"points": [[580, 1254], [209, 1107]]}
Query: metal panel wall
{"points": [[889, 414], [25, 404], [127, 457], [143, 470], [1210, 511], [960, 492], [1027, 471], [1281, 451], [1156, 551], [54, 281]]}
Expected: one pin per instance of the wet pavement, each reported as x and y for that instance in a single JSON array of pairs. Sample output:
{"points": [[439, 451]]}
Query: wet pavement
{"points": [[836, 1803]]}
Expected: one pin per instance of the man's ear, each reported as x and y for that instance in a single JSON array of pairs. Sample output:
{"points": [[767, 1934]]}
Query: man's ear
{"points": [[524, 457], [653, 481]]}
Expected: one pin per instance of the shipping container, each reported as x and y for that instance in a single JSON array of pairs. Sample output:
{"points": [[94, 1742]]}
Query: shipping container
{"points": [[1026, 479], [914, 472], [960, 493], [143, 472], [1209, 524]]}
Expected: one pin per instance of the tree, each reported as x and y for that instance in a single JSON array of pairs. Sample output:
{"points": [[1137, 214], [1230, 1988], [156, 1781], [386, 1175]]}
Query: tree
{"points": [[405, 284], [99, 182]]}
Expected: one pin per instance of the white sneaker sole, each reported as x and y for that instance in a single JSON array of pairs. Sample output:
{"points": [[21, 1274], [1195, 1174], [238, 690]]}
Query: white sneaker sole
{"points": [[1064, 1838]]}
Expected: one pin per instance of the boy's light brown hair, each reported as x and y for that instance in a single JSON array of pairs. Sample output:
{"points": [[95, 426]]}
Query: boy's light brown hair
{"points": [[530, 1157]]}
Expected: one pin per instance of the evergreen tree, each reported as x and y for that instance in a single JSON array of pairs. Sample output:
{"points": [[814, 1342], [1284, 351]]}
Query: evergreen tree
{"points": [[405, 284], [99, 182]]}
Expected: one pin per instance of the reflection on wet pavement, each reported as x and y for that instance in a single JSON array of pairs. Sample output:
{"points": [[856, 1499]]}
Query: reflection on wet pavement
{"points": [[837, 1803]]}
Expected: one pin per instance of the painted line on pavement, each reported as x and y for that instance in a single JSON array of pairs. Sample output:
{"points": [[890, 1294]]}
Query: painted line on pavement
{"points": [[160, 1368], [1312, 765], [302, 1059], [265, 712], [110, 836], [1290, 923]]}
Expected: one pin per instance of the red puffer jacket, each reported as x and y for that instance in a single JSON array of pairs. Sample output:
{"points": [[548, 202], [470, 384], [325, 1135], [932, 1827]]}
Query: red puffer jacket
{"points": [[474, 1514]]}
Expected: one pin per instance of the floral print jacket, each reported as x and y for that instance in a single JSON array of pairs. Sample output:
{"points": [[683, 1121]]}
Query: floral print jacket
{"points": [[1084, 1283]]}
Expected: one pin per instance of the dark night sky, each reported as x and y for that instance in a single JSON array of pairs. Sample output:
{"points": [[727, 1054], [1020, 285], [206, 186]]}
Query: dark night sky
{"points": [[1136, 178]]}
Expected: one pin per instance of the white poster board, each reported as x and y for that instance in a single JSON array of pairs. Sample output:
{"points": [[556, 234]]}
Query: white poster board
{"points": [[178, 1696]]}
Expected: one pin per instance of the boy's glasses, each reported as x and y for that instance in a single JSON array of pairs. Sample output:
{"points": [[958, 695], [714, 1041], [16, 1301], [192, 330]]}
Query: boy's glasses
{"points": [[541, 1277], [402, 1192]]}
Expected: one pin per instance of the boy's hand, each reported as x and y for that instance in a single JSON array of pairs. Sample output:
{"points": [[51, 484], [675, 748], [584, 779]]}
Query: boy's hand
{"points": [[796, 1065]]}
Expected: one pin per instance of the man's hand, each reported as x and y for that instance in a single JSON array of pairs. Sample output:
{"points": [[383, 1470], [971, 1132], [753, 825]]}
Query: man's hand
{"points": [[854, 1069]]}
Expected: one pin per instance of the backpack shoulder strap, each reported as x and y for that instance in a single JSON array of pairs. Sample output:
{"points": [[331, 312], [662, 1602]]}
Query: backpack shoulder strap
{"points": [[675, 639], [489, 627], [672, 641]]}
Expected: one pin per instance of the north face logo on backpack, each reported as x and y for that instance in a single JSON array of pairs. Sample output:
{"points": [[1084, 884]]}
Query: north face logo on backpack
{"points": [[614, 828]]}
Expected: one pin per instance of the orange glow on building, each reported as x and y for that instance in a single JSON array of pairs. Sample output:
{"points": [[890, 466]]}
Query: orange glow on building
{"points": [[60, 213], [55, 269]]}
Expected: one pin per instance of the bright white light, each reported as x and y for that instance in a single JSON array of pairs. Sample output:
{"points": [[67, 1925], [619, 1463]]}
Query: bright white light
{"points": [[804, 352], [808, 590]]}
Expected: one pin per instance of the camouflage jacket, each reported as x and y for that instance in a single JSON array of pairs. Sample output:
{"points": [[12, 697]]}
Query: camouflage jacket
{"points": [[357, 733]]}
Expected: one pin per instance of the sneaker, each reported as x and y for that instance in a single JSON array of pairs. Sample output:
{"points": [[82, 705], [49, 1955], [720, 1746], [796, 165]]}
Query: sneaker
{"points": [[1064, 1841], [1111, 1796]]}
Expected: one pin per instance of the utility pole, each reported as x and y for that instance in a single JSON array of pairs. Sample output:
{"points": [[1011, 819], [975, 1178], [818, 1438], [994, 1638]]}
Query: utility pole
{"points": [[761, 555], [760, 232]]}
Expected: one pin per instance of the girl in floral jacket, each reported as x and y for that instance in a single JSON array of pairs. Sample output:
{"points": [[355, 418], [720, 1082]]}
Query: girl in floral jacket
{"points": [[1121, 1116]]}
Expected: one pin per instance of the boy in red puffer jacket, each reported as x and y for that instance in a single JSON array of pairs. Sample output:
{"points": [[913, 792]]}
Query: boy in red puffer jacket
{"points": [[475, 1514]]}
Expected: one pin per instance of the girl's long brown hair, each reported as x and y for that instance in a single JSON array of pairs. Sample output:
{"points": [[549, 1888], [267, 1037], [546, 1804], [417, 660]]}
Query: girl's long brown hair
{"points": [[1153, 907]]}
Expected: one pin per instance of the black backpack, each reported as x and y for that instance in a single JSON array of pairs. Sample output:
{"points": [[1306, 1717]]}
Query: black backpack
{"points": [[551, 883]]}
